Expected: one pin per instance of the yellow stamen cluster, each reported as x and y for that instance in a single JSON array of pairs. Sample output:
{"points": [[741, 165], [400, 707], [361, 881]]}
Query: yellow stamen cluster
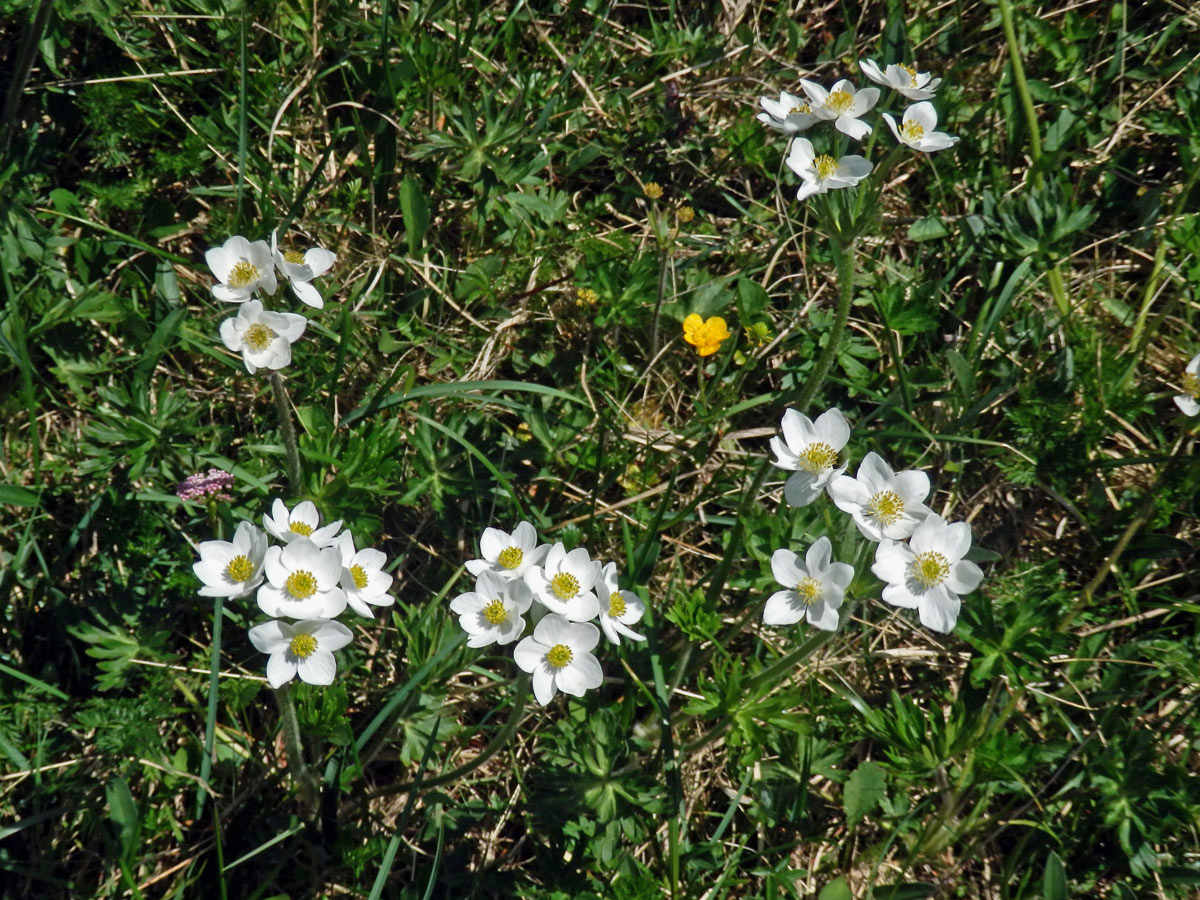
{"points": [[300, 528], [359, 575], [653, 190], [705, 334], [808, 589], [301, 584], [1191, 385], [885, 507], [825, 166], [686, 214], [616, 605], [759, 333], [303, 646], [510, 557], [295, 257], [930, 569], [243, 274], [258, 337], [912, 131], [586, 297], [800, 109], [564, 585], [839, 102], [559, 655], [817, 457], [912, 73], [240, 568], [494, 612]]}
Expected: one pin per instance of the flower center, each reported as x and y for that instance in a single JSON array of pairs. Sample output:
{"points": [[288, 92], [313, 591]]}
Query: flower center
{"points": [[1191, 385], [912, 73], [818, 457], [510, 557], [653, 190], [240, 568], [912, 131], [825, 166], [808, 589], [295, 257], [303, 646], [800, 109], [564, 585], [886, 507], [301, 584], [300, 528], [258, 336], [839, 101], [559, 655], [495, 612], [242, 274], [616, 605], [930, 569], [359, 576]]}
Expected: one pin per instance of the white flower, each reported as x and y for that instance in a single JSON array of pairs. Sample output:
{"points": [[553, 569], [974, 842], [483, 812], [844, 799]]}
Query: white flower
{"points": [[789, 114], [816, 587], [906, 79], [1188, 401], [232, 568], [302, 521], [508, 555], [304, 649], [363, 578], [242, 267], [302, 581], [810, 450], [301, 268], [843, 105], [558, 654], [491, 614], [929, 573], [884, 505], [563, 584], [917, 129], [618, 609], [823, 173], [263, 338]]}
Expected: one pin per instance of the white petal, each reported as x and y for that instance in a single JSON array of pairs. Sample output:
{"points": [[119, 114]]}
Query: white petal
{"points": [[923, 114], [280, 670], [801, 489], [319, 260], [823, 616], [544, 688], [318, 668], [900, 595], [230, 295], [783, 609], [854, 128], [308, 295], [939, 609], [832, 428], [891, 562], [529, 654], [964, 577], [786, 567], [271, 637], [819, 555]]}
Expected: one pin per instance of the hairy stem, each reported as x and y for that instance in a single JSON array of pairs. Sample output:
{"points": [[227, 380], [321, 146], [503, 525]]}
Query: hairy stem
{"points": [[287, 431]]}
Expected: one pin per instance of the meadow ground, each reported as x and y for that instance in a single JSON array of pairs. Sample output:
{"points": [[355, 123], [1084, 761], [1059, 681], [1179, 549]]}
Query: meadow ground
{"points": [[537, 210]]}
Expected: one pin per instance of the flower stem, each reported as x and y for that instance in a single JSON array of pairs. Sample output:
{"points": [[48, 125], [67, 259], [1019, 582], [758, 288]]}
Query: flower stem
{"points": [[293, 745], [287, 431], [210, 724]]}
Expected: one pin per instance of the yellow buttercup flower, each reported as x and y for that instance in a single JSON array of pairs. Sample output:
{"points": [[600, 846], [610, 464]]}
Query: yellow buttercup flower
{"points": [[705, 334]]}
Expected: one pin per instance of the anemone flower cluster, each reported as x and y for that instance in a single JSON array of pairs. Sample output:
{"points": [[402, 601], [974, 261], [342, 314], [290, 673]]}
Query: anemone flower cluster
{"points": [[569, 598], [310, 576], [244, 268], [919, 556], [843, 106]]}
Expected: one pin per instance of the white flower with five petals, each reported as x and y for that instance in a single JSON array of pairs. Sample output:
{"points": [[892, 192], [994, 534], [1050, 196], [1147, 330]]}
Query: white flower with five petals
{"points": [[905, 79], [789, 114], [815, 587], [929, 573], [232, 568], [363, 578], [564, 582], [508, 555], [916, 130], [559, 657], [810, 450], [885, 506], [492, 613], [242, 267], [304, 648], [823, 173], [618, 609], [301, 268], [843, 105], [303, 520], [263, 338], [1189, 401], [302, 581]]}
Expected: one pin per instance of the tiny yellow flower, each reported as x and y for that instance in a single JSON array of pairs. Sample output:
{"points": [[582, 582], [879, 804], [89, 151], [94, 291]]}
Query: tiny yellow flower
{"points": [[686, 214], [705, 334], [653, 190], [586, 297], [759, 333]]}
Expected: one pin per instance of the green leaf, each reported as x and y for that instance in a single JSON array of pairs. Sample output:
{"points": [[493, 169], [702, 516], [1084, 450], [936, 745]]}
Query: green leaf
{"points": [[123, 811], [752, 299], [1054, 881], [927, 229], [415, 210], [14, 495], [863, 791], [836, 890]]}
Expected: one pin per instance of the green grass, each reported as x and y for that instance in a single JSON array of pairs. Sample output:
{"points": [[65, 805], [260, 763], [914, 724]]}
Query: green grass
{"points": [[1019, 318]]}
